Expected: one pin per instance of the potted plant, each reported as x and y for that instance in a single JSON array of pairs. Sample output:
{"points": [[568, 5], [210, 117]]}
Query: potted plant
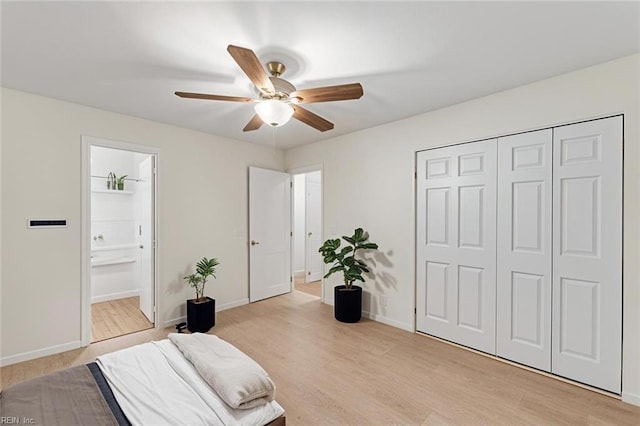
{"points": [[120, 182], [347, 297], [201, 311]]}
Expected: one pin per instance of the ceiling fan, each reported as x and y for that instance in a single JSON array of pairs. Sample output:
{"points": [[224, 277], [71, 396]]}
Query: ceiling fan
{"points": [[278, 99]]}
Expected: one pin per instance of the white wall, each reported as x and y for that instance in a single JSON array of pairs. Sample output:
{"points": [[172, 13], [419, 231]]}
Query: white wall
{"points": [[202, 206], [378, 164], [298, 223]]}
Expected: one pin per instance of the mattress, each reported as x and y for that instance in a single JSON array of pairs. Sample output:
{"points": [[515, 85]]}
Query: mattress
{"points": [[154, 384], [146, 384]]}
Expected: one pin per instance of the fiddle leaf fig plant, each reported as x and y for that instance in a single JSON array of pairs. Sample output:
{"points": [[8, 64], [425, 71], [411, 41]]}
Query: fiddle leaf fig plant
{"points": [[344, 259], [205, 268]]}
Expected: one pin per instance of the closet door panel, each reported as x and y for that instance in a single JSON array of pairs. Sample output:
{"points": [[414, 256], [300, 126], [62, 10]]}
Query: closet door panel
{"points": [[587, 260], [456, 243], [524, 249], [437, 300]]}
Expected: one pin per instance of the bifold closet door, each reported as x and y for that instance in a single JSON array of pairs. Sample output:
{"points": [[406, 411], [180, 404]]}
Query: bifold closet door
{"points": [[524, 249], [456, 251], [587, 252]]}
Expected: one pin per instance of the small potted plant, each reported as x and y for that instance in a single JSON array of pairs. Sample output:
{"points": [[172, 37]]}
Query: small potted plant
{"points": [[347, 297], [120, 182], [201, 311]]}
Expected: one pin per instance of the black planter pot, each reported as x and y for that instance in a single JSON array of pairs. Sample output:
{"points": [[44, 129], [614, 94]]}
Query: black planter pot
{"points": [[347, 303], [201, 316]]}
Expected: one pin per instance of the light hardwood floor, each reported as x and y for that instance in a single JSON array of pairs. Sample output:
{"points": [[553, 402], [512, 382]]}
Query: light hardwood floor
{"points": [[117, 318], [368, 373], [312, 288]]}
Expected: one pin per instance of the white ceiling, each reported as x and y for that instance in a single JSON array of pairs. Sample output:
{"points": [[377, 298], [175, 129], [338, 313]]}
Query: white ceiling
{"points": [[411, 57]]}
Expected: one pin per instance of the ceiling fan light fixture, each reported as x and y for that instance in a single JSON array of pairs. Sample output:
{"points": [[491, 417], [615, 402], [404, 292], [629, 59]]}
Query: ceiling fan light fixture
{"points": [[273, 112], [278, 100]]}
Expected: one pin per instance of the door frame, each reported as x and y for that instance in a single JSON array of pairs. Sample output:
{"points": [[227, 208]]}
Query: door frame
{"points": [[300, 171], [85, 232]]}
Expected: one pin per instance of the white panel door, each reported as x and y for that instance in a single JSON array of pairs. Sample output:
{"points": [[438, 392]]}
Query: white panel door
{"points": [[587, 252], [524, 249], [146, 237], [269, 233], [313, 226], [456, 243]]}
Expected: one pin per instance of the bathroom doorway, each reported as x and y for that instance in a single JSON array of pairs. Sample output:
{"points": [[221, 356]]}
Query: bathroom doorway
{"points": [[307, 231], [120, 225]]}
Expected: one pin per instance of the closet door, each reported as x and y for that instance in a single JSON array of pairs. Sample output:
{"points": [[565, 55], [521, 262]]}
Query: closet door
{"points": [[456, 251], [524, 249], [587, 253]]}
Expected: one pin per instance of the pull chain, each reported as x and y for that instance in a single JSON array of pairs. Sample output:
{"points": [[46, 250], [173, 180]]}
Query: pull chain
{"points": [[274, 139]]}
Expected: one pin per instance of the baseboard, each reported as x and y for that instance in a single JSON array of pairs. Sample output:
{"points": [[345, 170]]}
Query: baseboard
{"points": [[115, 296], [173, 322], [631, 398], [298, 273], [39, 353], [219, 308], [388, 321], [232, 305]]}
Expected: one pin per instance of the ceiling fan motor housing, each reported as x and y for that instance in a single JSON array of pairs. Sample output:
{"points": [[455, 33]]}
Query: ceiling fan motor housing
{"points": [[282, 88]]}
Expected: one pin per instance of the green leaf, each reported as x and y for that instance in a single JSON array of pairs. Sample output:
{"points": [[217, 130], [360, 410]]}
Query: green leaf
{"points": [[350, 240], [358, 235], [333, 270], [346, 250], [367, 246], [353, 272], [333, 244], [329, 257]]}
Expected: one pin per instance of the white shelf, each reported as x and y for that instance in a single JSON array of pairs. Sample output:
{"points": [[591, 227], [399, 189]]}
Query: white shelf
{"points": [[114, 247], [111, 191], [96, 261]]}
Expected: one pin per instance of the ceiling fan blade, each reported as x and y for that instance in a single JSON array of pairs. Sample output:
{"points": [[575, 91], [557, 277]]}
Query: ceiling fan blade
{"points": [[329, 93], [253, 124], [311, 119], [250, 64], [213, 97]]}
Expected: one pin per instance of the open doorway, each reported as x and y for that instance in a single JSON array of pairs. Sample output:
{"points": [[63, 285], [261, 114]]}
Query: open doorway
{"points": [[307, 231], [119, 224]]}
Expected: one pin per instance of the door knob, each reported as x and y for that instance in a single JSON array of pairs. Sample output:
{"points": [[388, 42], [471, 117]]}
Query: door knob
{"points": [[253, 242], [141, 246], [310, 233]]}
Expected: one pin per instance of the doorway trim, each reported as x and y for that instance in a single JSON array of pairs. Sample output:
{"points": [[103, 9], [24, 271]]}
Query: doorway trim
{"points": [[299, 171], [85, 232]]}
